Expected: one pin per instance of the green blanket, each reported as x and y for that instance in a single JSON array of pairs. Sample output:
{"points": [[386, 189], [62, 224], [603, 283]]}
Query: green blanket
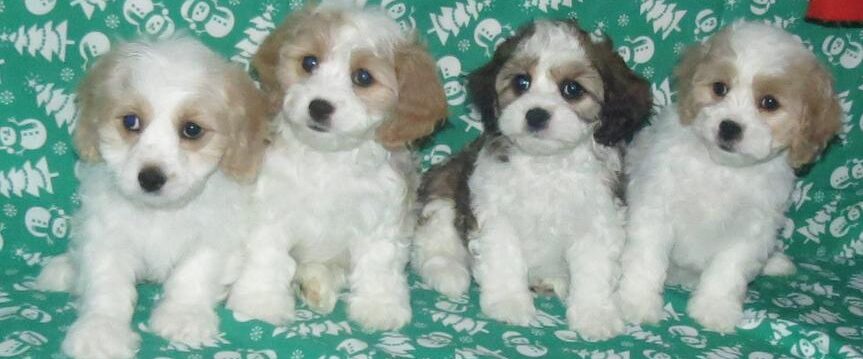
{"points": [[46, 45]]}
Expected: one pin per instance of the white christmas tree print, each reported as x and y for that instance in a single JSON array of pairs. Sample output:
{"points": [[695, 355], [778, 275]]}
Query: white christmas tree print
{"points": [[664, 17], [90, 6], [544, 5], [47, 40], [255, 34], [27, 179], [56, 103], [452, 19]]}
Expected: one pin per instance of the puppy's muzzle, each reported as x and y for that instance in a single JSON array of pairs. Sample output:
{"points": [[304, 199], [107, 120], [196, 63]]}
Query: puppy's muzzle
{"points": [[537, 119], [320, 111], [151, 179], [730, 133]]}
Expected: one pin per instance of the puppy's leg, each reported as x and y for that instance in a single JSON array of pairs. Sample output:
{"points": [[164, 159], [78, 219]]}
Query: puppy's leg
{"points": [[379, 298], [263, 289], [593, 261], [439, 254], [644, 264], [501, 273], [717, 302], [778, 265], [320, 284], [58, 275], [186, 313], [103, 328]]}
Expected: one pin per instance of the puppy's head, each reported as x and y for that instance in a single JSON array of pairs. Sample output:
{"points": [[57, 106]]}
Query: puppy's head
{"points": [[341, 76], [163, 116], [753, 91], [550, 87]]}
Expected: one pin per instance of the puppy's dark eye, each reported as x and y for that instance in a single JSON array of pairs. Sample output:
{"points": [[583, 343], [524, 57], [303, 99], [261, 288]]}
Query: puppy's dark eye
{"points": [[571, 90], [131, 122], [310, 63], [769, 103], [521, 83], [362, 78], [720, 88], [192, 131]]}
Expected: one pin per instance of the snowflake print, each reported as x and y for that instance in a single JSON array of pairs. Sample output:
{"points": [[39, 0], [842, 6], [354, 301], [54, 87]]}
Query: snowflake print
{"points": [[547, 306], [600, 26], [60, 148], [66, 74], [648, 72], [9, 210], [257, 333], [297, 354], [420, 325], [75, 199], [2, 6], [572, 15], [112, 21], [537, 332], [295, 4], [463, 45], [623, 20], [731, 4], [6, 97], [678, 48], [466, 339], [819, 197], [234, 2]]}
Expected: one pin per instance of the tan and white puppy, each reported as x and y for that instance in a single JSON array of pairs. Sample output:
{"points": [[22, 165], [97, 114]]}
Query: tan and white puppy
{"points": [[710, 180], [167, 133], [335, 193], [536, 197]]}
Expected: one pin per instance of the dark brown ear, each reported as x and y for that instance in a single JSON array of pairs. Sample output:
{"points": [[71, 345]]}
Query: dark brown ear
{"points": [[92, 101], [627, 99], [481, 82], [684, 75], [822, 118], [248, 122], [421, 101], [266, 60]]}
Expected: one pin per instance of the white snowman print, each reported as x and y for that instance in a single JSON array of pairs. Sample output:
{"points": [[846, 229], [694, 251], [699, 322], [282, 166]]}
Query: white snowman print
{"points": [[207, 16], [151, 18], [452, 75], [523, 345], [636, 51], [40, 7], [49, 223], [842, 51], [25, 135], [489, 34], [93, 45]]}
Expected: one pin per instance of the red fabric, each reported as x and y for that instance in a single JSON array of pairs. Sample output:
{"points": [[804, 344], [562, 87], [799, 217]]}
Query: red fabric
{"points": [[835, 10]]}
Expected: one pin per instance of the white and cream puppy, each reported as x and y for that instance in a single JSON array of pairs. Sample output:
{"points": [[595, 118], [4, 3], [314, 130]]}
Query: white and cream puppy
{"points": [[336, 189], [534, 203], [710, 180], [168, 131]]}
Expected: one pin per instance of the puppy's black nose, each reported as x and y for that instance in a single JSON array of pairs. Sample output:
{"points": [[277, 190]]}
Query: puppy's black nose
{"points": [[729, 131], [537, 119], [320, 111], [151, 179]]}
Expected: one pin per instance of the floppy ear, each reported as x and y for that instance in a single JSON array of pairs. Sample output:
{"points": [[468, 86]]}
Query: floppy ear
{"points": [[684, 75], [627, 98], [91, 99], [266, 60], [421, 103], [822, 119], [248, 122]]}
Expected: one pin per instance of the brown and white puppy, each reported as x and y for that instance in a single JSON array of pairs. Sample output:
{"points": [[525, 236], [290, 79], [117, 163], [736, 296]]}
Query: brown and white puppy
{"points": [[167, 132], [536, 197], [335, 194], [711, 178]]}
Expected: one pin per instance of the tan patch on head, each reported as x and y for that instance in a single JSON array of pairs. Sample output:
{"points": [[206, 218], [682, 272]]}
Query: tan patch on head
{"points": [[819, 117], [421, 99], [200, 111], [381, 95], [95, 106], [516, 65], [701, 66], [588, 106], [247, 128]]}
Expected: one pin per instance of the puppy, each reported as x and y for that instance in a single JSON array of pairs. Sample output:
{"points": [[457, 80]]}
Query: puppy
{"points": [[710, 179], [337, 184], [167, 133], [536, 197]]}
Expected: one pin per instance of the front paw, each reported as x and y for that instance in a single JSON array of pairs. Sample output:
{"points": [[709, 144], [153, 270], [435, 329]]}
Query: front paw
{"points": [[376, 313], [716, 313], [640, 306], [594, 323], [100, 337], [320, 296], [274, 307], [446, 275], [511, 308], [190, 325]]}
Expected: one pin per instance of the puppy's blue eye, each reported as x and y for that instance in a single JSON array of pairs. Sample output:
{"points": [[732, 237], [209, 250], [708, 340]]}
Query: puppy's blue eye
{"points": [[362, 78], [192, 131], [310, 63], [521, 83], [132, 122], [571, 90]]}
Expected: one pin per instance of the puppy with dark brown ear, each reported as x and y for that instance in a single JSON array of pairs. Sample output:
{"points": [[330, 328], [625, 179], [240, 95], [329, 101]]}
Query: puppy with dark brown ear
{"points": [[338, 183], [533, 203]]}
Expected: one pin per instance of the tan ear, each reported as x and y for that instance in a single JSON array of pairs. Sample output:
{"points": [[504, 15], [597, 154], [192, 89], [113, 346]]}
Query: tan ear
{"points": [[684, 73], [248, 122], [266, 60], [92, 101], [421, 99], [822, 118]]}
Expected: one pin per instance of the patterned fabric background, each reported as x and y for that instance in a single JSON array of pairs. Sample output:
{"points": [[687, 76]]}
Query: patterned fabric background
{"points": [[46, 45]]}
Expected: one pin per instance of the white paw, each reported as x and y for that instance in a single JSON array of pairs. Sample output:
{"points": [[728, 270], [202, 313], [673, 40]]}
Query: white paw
{"points": [[595, 323], [97, 337], [274, 307], [319, 296], [378, 313], [190, 325], [512, 308], [640, 306], [58, 275], [446, 276], [716, 313]]}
